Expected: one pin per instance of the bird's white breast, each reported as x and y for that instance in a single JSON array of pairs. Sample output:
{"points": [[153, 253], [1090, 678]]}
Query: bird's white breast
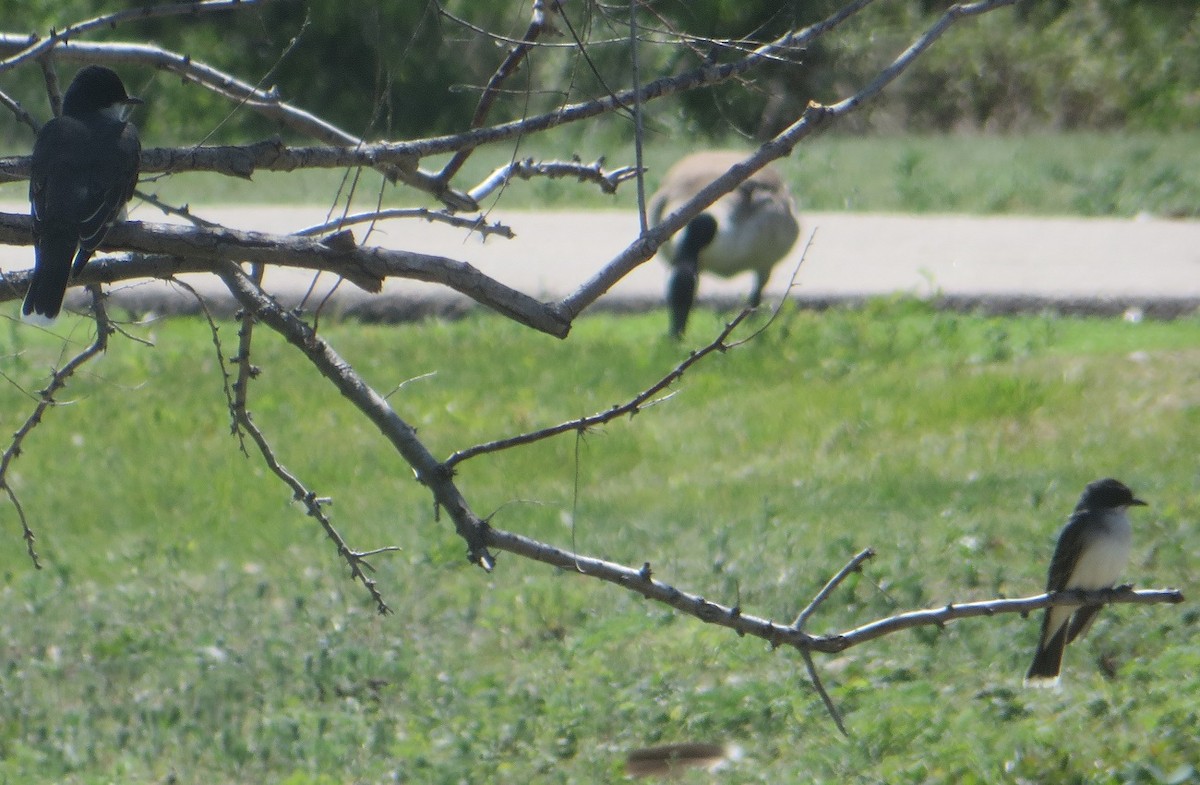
{"points": [[1105, 554]]}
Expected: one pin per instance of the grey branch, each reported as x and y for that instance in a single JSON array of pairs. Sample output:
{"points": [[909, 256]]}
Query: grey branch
{"points": [[167, 250], [45, 400], [397, 160], [476, 223], [370, 403], [854, 565], [527, 169], [33, 47], [631, 407], [642, 581], [509, 66], [814, 117]]}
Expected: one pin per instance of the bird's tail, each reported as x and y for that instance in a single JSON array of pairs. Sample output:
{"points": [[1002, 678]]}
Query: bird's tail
{"points": [[1047, 662], [44, 299]]}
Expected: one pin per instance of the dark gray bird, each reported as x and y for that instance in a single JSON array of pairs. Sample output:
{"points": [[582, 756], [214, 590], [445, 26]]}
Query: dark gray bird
{"points": [[84, 170], [749, 229], [1091, 554]]}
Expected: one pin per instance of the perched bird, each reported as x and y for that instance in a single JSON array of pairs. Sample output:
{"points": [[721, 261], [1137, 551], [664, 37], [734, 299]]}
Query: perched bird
{"points": [[1091, 554], [750, 228], [85, 167]]}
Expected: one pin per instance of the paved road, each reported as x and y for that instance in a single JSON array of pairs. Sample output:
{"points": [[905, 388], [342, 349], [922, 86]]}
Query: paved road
{"points": [[995, 259]]}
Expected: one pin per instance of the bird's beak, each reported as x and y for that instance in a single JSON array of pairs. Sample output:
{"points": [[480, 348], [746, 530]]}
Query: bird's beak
{"points": [[1138, 503]]}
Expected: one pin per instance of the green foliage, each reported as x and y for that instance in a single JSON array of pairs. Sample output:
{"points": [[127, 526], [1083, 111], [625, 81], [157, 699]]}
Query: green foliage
{"points": [[192, 625], [413, 69]]}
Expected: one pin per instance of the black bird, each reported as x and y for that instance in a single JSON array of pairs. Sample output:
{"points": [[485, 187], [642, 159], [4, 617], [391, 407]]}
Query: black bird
{"points": [[1091, 554], [750, 228], [85, 167]]}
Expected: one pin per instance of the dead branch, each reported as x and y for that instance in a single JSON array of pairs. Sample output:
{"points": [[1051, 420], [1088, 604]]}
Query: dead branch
{"points": [[372, 405], [36, 47], [778, 634], [169, 250], [22, 116], [852, 566], [527, 169], [968, 610], [352, 151], [512, 62], [631, 407], [58, 381], [814, 117], [476, 223]]}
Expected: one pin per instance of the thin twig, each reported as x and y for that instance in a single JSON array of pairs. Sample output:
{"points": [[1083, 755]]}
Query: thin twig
{"points": [[313, 505], [779, 305], [226, 386], [476, 223], [244, 423], [815, 678], [19, 112], [370, 403], [854, 565], [183, 212], [58, 380], [527, 169], [38, 47], [630, 407], [638, 119], [247, 371], [643, 582], [508, 67]]}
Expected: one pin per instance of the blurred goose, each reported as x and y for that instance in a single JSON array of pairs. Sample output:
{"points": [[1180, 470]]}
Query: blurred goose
{"points": [[748, 229]]}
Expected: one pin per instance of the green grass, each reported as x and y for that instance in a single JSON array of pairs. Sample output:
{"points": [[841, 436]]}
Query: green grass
{"points": [[192, 624], [1092, 174]]}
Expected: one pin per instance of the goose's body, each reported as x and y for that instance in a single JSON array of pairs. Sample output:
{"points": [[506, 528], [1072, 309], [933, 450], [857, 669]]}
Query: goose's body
{"points": [[749, 229]]}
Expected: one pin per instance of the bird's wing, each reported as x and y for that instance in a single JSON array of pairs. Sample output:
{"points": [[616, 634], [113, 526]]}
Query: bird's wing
{"points": [[56, 155], [109, 185], [1066, 555]]}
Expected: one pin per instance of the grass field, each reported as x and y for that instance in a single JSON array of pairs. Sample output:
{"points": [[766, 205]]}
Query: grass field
{"points": [[1094, 174], [192, 626]]}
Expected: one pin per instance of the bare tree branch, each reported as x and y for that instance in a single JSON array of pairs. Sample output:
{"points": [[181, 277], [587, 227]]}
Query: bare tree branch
{"points": [[23, 117], [510, 65], [171, 250], [228, 387], [814, 117], [373, 405], [36, 47], [353, 151], [642, 581], [58, 380], [854, 565], [815, 678], [476, 223], [527, 169], [631, 407]]}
